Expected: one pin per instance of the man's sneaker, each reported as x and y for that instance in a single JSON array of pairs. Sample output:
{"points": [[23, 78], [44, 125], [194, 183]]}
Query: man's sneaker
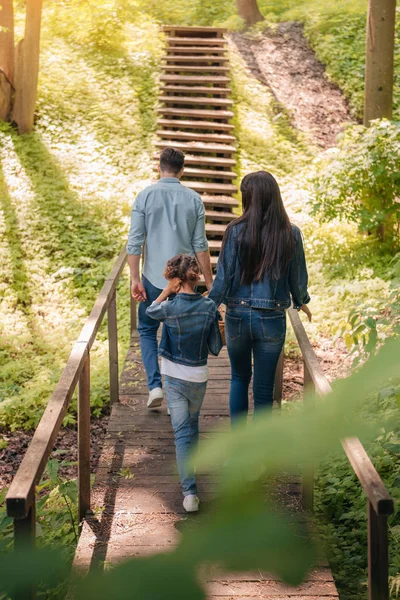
{"points": [[155, 398], [191, 503]]}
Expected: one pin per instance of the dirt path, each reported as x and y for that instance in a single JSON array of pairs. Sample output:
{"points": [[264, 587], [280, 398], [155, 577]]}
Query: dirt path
{"points": [[282, 60]]}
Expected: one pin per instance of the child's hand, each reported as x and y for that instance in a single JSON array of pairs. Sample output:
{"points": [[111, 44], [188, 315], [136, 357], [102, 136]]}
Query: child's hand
{"points": [[174, 285]]}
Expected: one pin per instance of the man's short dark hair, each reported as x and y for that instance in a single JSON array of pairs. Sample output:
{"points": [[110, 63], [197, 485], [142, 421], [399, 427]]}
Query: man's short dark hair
{"points": [[172, 160]]}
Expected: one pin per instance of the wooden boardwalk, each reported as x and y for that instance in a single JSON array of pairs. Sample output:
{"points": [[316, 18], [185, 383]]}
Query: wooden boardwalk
{"points": [[137, 498]]}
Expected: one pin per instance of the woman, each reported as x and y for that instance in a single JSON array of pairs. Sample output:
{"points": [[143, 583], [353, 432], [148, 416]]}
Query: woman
{"points": [[261, 267]]}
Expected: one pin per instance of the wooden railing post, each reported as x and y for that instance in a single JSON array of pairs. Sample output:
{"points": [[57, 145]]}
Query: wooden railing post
{"points": [[278, 387], [113, 349], [307, 489], [378, 556], [133, 312], [84, 440], [25, 537]]}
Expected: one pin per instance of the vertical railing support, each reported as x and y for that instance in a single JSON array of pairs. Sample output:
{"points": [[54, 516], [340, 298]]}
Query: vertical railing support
{"points": [[133, 312], [378, 556], [307, 490], [278, 386], [84, 440], [24, 538], [113, 349]]}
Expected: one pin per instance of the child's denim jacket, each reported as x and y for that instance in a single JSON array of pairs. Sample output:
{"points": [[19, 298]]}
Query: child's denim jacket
{"points": [[190, 329]]}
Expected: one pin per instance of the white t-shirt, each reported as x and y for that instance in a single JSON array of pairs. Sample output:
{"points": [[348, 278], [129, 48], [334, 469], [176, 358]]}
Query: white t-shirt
{"points": [[194, 374]]}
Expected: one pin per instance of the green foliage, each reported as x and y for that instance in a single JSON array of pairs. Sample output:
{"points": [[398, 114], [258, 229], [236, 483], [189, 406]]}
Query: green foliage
{"points": [[341, 505], [360, 180], [242, 532]]}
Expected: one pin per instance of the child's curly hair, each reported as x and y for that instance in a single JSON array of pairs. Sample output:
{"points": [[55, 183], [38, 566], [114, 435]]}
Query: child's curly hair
{"points": [[184, 267]]}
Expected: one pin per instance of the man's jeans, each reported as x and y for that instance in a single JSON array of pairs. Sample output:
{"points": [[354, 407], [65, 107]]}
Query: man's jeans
{"points": [[257, 332], [148, 329], [184, 402]]}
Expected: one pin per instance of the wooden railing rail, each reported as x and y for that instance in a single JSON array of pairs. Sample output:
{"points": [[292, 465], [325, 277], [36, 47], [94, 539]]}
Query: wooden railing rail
{"points": [[379, 502], [20, 499]]}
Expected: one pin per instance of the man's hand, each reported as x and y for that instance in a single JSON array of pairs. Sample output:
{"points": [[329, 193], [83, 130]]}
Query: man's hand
{"points": [[137, 290], [307, 311]]}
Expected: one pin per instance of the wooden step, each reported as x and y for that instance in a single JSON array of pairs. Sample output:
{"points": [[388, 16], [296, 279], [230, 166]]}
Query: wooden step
{"points": [[216, 215], [217, 31], [196, 49], [195, 89], [198, 41], [195, 69], [194, 100], [195, 59], [216, 161], [196, 112], [209, 174], [223, 201], [185, 124], [217, 80], [219, 138], [201, 186], [215, 229], [214, 260], [214, 245], [197, 147]]}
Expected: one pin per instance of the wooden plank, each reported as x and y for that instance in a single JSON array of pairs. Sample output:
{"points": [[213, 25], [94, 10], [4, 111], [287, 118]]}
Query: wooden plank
{"points": [[220, 138], [191, 159], [182, 41], [191, 124], [196, 89], [368, 476], [195, 69], [211, 228], [196, 49], [223, 201], [196, 79], [196, 112], [113, 350], [201, 186], [199, 58], [217, 215], [197, 146], [378, 556], [192, 100], [84, 441], [194, 29]]}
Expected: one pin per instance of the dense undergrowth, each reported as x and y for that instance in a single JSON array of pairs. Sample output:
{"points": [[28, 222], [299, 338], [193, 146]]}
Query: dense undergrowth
{"points": [[65, 196]]}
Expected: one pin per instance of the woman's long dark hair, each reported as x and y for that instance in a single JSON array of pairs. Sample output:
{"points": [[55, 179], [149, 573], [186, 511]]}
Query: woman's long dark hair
{"points": [[266, 241]]}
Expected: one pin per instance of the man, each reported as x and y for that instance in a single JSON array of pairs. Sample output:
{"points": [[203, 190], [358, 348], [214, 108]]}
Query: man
{"points": [[167, 219]]}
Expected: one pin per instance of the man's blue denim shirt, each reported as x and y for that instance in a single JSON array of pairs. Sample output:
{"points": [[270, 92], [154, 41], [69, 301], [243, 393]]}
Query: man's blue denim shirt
{"points": [[168, 219], [267, 293], [190, 329]]}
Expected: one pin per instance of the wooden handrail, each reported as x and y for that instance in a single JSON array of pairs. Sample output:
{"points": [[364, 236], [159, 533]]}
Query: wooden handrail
{"points": [[20, 497], [379, 502]]}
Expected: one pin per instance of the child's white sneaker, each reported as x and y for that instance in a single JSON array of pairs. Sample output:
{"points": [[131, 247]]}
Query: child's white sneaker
{"points": [[191, 503], [168, 411], [155, 398]]}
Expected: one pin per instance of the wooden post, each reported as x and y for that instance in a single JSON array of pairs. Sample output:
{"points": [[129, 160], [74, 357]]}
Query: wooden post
{"points": [[6, 58], [307, 490], [27, 69], [378, 556], [249, 11], [25, 537], [378, 92], [84, 441], [278, 387], [113, 349]]}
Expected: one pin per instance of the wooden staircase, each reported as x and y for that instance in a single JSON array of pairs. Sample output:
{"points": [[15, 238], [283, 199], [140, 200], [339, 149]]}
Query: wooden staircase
{"points": [[195, 113]]}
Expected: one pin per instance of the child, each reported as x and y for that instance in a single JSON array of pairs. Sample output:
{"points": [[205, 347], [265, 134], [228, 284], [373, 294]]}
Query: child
{"points": [[189, 333]]}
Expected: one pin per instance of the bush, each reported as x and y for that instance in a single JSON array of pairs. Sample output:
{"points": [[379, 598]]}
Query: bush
{"points": [[360, 180]]}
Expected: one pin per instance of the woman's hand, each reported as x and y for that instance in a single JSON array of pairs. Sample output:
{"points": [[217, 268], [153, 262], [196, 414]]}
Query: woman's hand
{"points": [[306, 310]]}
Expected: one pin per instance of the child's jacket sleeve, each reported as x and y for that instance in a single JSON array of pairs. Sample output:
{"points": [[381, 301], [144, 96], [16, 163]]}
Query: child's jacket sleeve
{"points": [[214, 341], [158, 311]]}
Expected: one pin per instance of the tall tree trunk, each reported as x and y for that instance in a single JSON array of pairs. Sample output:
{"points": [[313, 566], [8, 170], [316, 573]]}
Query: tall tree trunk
{"points": [[378, 95], [6, 58], [249, 11], [27, 68]]}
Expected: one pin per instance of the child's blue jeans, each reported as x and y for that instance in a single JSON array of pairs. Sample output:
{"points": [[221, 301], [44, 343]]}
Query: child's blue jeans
{"points": [[184, 402]]}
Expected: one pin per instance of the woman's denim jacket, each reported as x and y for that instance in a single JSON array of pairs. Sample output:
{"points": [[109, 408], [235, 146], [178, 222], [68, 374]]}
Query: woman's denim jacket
{"points": [[266, 293], [190, 329]]}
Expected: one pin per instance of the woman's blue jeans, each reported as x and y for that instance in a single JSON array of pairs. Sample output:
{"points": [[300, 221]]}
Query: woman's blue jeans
{"points": [[184, 402], [257, 334]]}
